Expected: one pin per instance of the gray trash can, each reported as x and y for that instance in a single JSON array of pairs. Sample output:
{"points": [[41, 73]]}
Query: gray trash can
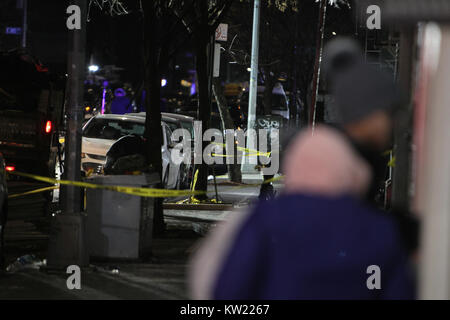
{"points": [[119, 226]]}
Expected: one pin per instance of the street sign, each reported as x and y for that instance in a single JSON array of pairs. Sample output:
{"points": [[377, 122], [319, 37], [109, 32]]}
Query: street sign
{"points": [[222, 32], [13, 30]]}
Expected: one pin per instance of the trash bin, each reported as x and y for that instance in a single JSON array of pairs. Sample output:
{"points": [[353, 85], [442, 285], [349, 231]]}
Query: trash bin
{"points": [[119, 226]]}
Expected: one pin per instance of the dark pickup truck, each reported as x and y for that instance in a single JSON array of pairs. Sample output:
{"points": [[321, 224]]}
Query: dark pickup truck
{"points": [[31, 100]]}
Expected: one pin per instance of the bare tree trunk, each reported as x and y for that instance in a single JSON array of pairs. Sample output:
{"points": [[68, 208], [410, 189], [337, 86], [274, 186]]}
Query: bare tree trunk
{"points": [[204, 105], [152, 85], [227, 123]]}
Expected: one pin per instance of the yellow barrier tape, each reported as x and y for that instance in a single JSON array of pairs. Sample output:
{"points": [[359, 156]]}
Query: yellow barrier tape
{"points": [[32, 192], [142, 192], [247, 150], [194, 182], [193, 200], [391, 163], [232, 156]]}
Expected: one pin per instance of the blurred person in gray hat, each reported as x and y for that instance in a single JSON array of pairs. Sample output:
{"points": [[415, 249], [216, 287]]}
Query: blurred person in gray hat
{"points": [[312, 240], [366, 100]]}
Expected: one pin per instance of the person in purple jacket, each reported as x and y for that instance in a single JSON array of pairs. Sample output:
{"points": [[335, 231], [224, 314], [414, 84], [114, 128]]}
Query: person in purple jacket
{"points": [[121, 104], [319, 240]]}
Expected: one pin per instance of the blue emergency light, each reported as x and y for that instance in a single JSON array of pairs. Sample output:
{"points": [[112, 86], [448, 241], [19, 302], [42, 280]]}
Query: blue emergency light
{"points": [[13, 30]]}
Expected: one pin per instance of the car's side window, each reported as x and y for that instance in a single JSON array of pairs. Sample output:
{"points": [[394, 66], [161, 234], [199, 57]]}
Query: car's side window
{"points": [[168, 134], [165, 137]]}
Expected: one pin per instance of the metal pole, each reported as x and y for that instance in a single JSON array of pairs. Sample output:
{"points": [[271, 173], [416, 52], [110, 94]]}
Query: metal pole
{"points": [[253, 87], [76, 72], [25, 23], [319, 48], [67, 242], [403, 123]]}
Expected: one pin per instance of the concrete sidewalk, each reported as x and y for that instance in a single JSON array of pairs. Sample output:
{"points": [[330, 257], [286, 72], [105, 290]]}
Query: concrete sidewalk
{"points": [[256, 177], [164, 277]]}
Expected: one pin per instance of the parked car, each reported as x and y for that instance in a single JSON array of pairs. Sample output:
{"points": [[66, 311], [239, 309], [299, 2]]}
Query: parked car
{"points": [[102, 131], [3, 207], [280, 105], [173, 120], [188, 123], [178, 121], [185, 122]]}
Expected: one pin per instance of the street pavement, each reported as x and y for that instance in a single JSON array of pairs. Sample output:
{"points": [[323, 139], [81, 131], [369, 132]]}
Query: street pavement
{"points": [[163, 277]]}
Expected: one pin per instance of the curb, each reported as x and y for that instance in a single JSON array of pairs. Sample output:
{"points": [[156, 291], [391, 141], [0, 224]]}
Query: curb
{"points": [[199, 206]]}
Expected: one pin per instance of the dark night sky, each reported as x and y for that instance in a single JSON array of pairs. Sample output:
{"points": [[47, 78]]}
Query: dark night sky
{"points": [[116, 41], [47, 34], [110, 40]]}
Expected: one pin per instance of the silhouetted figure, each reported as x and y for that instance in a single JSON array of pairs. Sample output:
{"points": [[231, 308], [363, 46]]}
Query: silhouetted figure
{"points": [[366, 100], [120, 104]]}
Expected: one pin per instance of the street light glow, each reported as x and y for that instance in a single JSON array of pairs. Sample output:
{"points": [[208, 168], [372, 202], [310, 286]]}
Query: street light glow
{"points": [[163, 82], [93, 68]]}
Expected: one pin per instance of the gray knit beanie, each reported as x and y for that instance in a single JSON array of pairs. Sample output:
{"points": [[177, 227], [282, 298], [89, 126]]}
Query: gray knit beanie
{"points": [[361, 90], [339, 54]]}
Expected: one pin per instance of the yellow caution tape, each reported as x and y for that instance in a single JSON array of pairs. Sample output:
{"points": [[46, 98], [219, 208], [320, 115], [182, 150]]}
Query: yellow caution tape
{"points": [[251, 152], [193, 200], [142, 192], [194, 182], [11, 196], [391, 163], [232, 156]]}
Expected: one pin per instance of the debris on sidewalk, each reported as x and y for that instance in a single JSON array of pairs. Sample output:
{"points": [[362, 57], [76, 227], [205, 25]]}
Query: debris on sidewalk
{"points": [[28, 261], [110, 269]]}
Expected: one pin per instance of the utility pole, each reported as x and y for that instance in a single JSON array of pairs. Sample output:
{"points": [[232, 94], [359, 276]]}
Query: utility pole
{"points": [[403, 123], [293, 114], [253, 90], [24, 23], [67, 240], [319, 49]]}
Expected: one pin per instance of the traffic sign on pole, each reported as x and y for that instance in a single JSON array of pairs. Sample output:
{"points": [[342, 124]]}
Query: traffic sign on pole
{"points": [[222, 32]]}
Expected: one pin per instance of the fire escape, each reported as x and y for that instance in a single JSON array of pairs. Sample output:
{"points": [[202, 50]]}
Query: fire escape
{"points": [[381, 49]]}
